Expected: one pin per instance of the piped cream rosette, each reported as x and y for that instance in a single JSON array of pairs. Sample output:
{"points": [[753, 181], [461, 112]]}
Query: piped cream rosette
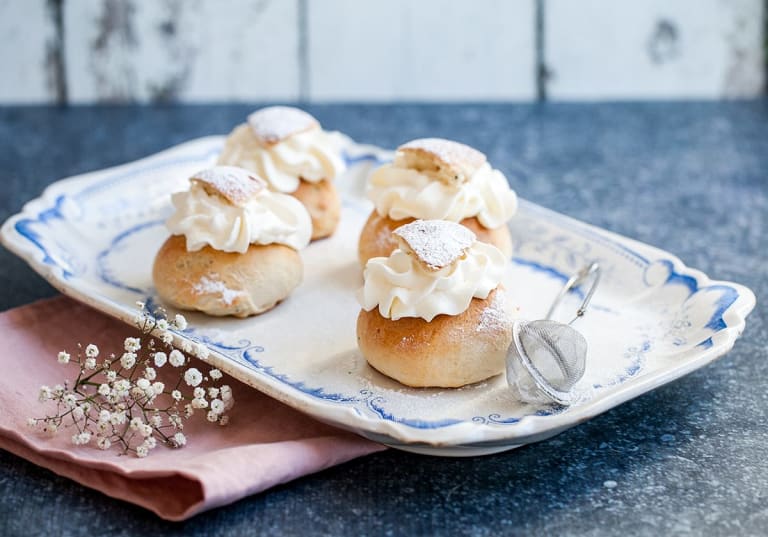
{"points": [[436, 179], [288, 149], [432, 314], [234, 245]]}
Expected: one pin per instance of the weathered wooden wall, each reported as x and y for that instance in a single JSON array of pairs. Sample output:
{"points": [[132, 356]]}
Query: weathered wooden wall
{"points": [[102, 51]]}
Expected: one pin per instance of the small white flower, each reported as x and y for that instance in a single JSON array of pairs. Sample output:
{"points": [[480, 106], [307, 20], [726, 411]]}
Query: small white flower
{"points": [[142, 451], [140, 304], [150, 373], [91, 351], [180, 322], [158, 387], [176, 394], [137, 393], [63, 357], [160, 359], [104, 416], [45, 394], [224, 420], [215, 374], [162, 324], [212, 416], [132, 344], [176, 358], [226, 392], [175, 420], [145, 430], [58, 390], [104, 389], [217, 405], [213, 393], [31, 423], [122, 386], [199, 403], [90, 363], [128, 359], [70, 400], [186, 346], [86, 406], [118, 418], [78, 413], [81, 439], [166, 337], [198, 392], [111, 376], [193, 377], [188, 410], [103, 442], [143, 384], [136, 423], [180, 439], [150, 442], [50, 428], [201, 351], [156, 420]]}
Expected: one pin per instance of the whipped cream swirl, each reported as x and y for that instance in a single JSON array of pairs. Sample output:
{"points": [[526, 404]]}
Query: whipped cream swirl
{"points": [[312, 156], [400, 193], [401, 286], [268, 218]]}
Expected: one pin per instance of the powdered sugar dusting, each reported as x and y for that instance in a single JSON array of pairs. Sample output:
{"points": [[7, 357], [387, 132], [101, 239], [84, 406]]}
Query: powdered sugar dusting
{"points": [[276, 123], [213, 286], [436, 243], [494, 318], [448, 151], [235, 184]]}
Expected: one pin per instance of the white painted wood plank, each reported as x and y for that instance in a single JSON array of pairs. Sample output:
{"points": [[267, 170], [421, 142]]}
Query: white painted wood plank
{"points": [[423, 50], [167, 50], [633, 49], [26, 35]]}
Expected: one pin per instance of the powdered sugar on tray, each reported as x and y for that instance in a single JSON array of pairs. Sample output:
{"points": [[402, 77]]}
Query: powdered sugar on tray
{"points": [[212, 286], [275, 123], [436, 243], [235, 184]]}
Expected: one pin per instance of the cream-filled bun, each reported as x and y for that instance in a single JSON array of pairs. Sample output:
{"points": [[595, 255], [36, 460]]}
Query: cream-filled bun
{"points": [[433, 313], [287, 148], [436, 179], [234, 245]]}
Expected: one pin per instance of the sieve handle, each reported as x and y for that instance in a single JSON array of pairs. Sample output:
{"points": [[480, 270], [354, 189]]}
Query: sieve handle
{"points": [[590, 271]]}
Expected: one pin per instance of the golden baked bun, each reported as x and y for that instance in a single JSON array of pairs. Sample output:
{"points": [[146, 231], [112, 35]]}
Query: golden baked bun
{"points": [[377, 240], [225, 283], [323, 204], [448, 352]]}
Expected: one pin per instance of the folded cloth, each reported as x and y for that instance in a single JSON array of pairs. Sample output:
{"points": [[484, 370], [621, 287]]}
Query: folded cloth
{"points": [[265, 443]]}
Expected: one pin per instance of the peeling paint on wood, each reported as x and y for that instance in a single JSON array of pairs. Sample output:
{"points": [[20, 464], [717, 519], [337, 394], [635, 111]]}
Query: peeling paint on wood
{"points": [[427, 50], [27, 38], [169, 50], [102, 51], [603, 49]]}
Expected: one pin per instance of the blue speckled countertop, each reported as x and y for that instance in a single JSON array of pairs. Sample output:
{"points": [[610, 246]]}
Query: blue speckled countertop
{"points": [[686, 459]]}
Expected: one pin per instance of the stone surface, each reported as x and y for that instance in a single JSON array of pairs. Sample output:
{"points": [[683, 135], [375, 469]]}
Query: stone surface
{"points": [[685, 459]]}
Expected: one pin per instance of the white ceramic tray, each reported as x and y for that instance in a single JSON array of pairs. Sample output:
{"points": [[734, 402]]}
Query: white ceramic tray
{"points": [[652, 320]]}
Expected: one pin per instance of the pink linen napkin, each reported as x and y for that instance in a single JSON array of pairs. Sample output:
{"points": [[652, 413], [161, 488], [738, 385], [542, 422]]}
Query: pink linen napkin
{"points": [[266, 443]]}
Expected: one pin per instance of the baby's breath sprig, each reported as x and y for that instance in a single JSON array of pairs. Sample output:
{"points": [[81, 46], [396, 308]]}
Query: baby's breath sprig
{"points": [[120, 401]]}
